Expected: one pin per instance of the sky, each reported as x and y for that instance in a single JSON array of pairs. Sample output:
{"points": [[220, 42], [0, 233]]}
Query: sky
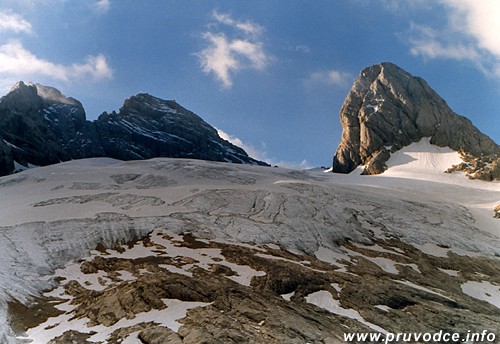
{"points": [[270, 75]]}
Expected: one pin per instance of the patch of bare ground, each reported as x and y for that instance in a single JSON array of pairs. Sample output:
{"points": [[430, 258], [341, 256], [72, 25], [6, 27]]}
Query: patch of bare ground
{"points": [[23, 317], [419, 293]]}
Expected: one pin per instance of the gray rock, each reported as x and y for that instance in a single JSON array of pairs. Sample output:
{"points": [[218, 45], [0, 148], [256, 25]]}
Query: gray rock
{"points": [[6, 161], [388, 107], [148, 127], [159, 335], [41, 126]]}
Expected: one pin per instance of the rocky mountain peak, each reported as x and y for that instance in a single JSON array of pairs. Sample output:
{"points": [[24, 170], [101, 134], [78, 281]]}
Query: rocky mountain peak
{"points": [[22, 97], [53, 95], [31, 97], [149, 100], [41, 126], [146, 127], [387, 108]]}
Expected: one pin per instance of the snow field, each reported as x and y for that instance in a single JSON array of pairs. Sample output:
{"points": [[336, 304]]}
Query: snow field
{"points": [[305, 212]]}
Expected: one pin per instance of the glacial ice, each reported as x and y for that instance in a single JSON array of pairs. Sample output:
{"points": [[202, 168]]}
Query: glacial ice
{"points": [[310, 212]]}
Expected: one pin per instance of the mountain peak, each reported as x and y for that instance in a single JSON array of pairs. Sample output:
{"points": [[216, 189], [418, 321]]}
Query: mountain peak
{"points": [[53, 95], [41, 126], [387, 108], [22, 97], [26, 96], [159, 127], [21, 85]]}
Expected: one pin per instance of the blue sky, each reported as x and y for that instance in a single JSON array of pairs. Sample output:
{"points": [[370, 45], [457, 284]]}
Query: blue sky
{"points": [[272, 75]]}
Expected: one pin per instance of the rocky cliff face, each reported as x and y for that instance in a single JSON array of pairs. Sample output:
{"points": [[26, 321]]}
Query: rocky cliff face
{"points": [[148, 127], [387, 109], [40, 126]]}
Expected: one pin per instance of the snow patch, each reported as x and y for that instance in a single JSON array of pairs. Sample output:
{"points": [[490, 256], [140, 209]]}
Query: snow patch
{"points": [[422, 160], [324, 299], [288, 296], [453, 273], [419, 287], [56, 326], [483, 290]]}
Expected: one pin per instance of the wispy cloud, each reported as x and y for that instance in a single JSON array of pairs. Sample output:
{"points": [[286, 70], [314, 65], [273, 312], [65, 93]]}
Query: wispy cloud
{"points": [[227, 54], [401, 7], [247, 27], [102, 6], [328, 78], [302, 48], [18, 62], [258, 154], [261, 154], [432, 44], [13, 22], [470, 33]]}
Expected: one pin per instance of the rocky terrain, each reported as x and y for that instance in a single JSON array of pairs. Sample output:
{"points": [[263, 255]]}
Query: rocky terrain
{"points": [[387, 109], [257, 294], [124, 245], [185, 251], [482, 168], [40, 126]]}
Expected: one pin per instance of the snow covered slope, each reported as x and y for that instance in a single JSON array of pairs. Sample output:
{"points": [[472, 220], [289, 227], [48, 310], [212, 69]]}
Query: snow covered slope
{"points": [[423, 160], [401, 226]]}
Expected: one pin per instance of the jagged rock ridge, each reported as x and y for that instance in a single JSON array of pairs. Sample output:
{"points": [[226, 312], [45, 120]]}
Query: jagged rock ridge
{"points": [[162, 128], [387, 108], [41, 126]]}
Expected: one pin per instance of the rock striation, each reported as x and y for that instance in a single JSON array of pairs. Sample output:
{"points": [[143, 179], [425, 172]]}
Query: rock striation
{"points": [[40, 126], [148, 127], [387, 108]]}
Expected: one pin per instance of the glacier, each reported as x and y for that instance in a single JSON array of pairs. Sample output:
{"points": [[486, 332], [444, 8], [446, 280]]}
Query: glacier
{"points": [[51, 216]]}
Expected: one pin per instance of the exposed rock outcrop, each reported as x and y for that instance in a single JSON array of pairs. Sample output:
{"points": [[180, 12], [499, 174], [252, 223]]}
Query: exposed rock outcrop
{"points": [[387, 109], [483, 168], [148, 127], [41, 126], [423, 293]]}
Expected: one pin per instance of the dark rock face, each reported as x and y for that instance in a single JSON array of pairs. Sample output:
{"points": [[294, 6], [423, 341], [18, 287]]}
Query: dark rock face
{"points": [[40, 126], [148, 127], [387, 109]]}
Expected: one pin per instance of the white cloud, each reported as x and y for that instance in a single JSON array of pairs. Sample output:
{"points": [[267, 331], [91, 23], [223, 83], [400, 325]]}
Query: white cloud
{"points": [[247, 27], [13, 22], [226, 55], [18, 62], [251, 151], [102, 6], [328, 78], [470, 33], [261, 154], [478, 19], [432, 44], [401, 7], [304, 49]]}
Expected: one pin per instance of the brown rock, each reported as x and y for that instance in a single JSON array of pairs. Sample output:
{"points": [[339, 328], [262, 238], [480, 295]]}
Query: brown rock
{"points": [[388, 107], [159, 335]]}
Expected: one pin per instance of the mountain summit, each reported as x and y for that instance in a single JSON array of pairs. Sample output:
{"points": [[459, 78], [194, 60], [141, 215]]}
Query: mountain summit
{"points": [[148, 127], [40, 126], [387, 109]]}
